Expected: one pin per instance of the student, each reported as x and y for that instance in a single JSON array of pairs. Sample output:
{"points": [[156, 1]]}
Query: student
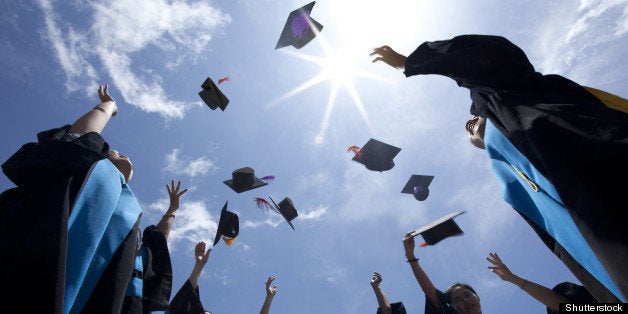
{"points": [[556, 148], [72, 222]]}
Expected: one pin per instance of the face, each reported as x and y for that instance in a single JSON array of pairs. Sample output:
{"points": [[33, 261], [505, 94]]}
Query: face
{"points": [[123, 163], [476, 127], [465, 301]]}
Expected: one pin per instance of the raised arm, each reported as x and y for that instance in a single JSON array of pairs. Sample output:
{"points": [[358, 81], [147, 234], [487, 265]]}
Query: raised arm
{"points": [[270, 294], [542, 294], [201, 256], [165, 224], [382, 299], [420, 275], [96, 119]]}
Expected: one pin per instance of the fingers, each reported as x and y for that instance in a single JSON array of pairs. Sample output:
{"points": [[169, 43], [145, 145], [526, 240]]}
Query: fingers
{"points": [[182, 192]]}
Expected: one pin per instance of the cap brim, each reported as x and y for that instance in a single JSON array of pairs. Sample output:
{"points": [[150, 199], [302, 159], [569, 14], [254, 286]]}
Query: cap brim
{"points": [[287, 38], [416, 180], [435, 223], [257, 183], [220, 222], [277, 209]]}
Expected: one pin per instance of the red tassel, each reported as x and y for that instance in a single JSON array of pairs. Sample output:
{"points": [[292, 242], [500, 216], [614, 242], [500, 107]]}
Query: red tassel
{"points": [[262, 203], [220, 80], [424, 244], [355, 150]]}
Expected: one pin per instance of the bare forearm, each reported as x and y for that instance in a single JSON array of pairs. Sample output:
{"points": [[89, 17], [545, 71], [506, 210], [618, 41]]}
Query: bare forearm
{"points": [[424, 282], [165, 223], [266, 306], [382, 300], [196, 274], [95, 120], [542, 294]]}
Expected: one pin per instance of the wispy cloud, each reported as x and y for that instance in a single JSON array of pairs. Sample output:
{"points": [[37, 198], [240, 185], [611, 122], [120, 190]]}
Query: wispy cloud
{"points": [[121, 29], [193, 222], [186, 166], [575, 39], [314, 214]]}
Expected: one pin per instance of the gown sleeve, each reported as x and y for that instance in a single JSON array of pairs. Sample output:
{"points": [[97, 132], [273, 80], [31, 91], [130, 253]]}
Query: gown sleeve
{"points": [[481, 63], [445, 307]]}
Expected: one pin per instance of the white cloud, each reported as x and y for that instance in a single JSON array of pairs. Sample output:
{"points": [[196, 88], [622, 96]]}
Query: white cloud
{"points": [[313, 214], [192, 224], [190, 167], [121, 29]]}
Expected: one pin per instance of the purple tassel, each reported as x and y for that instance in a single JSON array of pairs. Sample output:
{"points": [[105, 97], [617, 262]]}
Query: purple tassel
{"points": [[268, 178]]}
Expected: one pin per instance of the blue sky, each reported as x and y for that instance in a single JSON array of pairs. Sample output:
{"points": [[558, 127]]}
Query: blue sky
{"points": [[156, 54]]}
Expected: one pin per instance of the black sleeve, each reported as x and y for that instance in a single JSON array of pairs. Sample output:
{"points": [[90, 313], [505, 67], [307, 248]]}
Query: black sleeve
{"points": [[474, 61], [445, 307], [186, 301], [574, 293], [157, 271]]}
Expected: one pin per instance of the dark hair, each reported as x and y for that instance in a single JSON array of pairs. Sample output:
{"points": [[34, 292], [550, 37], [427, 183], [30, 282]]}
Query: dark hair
{"points": [[455, 285]]}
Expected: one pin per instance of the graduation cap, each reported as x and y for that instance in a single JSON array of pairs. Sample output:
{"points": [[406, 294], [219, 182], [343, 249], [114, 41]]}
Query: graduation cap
{"points": [[228, 226], [212, 96], [377, 156], [300, 28], [397, 308], [439, 229], [418, 186], [286, 209], [244, 179]]}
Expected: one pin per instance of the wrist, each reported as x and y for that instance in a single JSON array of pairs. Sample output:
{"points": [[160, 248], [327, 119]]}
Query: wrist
{"points": [[168, 215], [412, 260]]}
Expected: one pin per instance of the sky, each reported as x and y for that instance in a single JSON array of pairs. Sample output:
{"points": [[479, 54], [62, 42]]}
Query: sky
{"points": [[293, 114]]}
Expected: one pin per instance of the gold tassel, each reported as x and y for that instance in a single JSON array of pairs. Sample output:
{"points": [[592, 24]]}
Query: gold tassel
{"points": [[229, 241]]}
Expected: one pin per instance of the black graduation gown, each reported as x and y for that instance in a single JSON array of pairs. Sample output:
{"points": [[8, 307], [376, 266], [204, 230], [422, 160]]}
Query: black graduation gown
{"points": [[576, 142], [157, 275], [186, 301], [34, 225]]}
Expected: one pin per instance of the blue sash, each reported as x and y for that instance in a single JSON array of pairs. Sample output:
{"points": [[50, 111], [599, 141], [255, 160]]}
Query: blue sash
{"points": [[104, 213], [544, 207]]}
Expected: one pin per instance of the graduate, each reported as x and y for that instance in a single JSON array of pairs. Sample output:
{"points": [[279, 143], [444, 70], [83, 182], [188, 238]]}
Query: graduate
{"points": [[70, 227], [557, 149]]}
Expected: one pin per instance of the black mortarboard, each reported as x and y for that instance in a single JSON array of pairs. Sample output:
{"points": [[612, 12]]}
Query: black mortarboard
{"points": [[397, 308], [286, 209], [244, 179], [228, 225], [439, 229], [418, 186], [377, 156], [212, 96], [300, 28]]}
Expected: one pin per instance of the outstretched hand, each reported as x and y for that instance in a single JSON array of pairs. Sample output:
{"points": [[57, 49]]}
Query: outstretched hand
{"points": [[174, 196], [376, 279], [200, 254], [103, 95], [500, 269], [389, 56], [270, 290]]}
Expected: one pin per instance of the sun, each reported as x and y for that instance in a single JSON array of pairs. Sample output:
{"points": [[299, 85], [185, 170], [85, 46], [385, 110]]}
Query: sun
{"points": [[340, 68]]}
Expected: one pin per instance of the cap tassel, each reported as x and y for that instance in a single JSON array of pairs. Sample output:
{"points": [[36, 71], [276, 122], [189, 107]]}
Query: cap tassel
{"points": [[424, 244], [229, 241], [262, 204], [220, 80], [268, 178], [356, 151]]}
